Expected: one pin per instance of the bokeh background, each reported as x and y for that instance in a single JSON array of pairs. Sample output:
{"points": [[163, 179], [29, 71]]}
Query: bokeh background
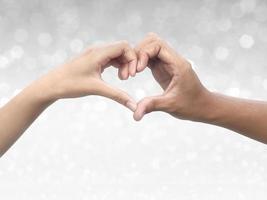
{"points": [[91, 148]]}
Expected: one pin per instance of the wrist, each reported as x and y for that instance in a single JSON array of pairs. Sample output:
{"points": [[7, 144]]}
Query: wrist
{"points": [[206, 107], [45, 89], [210, 109]]}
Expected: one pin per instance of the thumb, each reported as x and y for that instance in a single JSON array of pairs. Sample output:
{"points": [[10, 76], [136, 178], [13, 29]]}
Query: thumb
{"points": [[149, 104], [117, 95]]}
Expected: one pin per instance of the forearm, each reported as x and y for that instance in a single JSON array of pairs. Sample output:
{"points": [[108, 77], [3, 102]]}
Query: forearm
{"points": [[19, 113], [79, 77], [246, 117]]}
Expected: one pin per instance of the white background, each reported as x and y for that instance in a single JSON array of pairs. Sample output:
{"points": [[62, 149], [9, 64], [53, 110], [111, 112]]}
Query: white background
{"points": [[91, 148]]}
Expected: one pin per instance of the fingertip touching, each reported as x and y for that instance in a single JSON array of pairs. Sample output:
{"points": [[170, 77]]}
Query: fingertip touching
{"points": [[147, 105], [142, 108], [117, 95], [142, 61], [132, 105], [138, 115], [130, 57], [133, 67], [124, 71]]}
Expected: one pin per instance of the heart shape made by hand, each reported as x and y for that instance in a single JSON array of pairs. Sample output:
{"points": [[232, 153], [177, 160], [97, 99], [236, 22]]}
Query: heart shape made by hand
{"points": [[181, 86]]}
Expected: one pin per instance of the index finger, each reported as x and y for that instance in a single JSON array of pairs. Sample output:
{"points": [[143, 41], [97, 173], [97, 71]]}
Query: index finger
{"points": [[153, 47], [142, 50], [120, 49]]}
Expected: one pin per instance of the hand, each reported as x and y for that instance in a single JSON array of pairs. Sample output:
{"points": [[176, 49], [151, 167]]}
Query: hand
{"points": [[82, 75], [79, 77], [184, 96]]}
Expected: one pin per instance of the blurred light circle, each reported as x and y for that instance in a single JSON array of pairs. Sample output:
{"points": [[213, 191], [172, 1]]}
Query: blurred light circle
{"points": [[59, 56], [100, 106], [262, 34], [68, 21], [76, 45], [252, 27], [190, 156], [193, 64], [3, 101], [205, 27], [247, 5], [133, 21], [45, 39], [196, 52], [86, 107], [236, 11], [4, 87], [256, 81], [246, 41], [140, 93], [234, 91], [3, 62], [16, 52], [149, 84], [16, 91], [45, 60], [224, 25], [36, 19], [21, 35], [29, 63], [260, 13], [246, 94], [221, 53], [264, 84]]}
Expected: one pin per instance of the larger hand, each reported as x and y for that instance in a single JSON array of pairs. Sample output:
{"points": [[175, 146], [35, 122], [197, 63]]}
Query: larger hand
{"points": [[183, 95]]}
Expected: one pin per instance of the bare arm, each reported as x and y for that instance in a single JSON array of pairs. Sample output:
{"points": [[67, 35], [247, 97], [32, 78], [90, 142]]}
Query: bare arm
{"points": [[18, 114], [79, 77], [247, 117], [185, 97]]}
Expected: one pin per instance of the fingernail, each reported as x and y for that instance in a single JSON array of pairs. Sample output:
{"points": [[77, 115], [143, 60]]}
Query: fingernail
{"points": [[126, 78], [138, 117], [131, 105], [132, 69], [133, 74]]}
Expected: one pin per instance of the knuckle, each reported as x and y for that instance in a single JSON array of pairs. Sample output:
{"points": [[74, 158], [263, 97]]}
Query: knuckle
{"points": [[90, 50], [120, 97], [124, 43], [186, 63], [154, 37], [158, 41], [142, 52], [152, 34], [187, 67], [137, 49], [170, 105], [150, 105], [113, 97]]}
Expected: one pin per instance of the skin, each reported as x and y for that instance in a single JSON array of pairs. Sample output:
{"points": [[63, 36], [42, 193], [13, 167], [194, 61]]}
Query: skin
{"points": [[184, 96], [79, 77]]}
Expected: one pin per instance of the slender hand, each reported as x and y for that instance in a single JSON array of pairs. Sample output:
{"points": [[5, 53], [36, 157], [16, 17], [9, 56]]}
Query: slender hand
{"points": [[185, 97], [79, 77]]}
